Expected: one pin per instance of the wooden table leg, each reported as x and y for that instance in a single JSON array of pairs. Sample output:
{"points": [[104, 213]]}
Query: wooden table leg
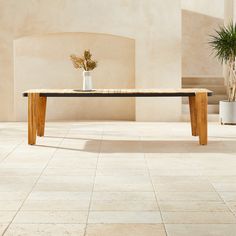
{"points": [[42, 101], [32, 117], [201, 104], [193, 115]]}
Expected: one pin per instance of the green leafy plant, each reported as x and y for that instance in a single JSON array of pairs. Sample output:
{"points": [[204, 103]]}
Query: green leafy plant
{"points": [[223, 44], [85, 62]]}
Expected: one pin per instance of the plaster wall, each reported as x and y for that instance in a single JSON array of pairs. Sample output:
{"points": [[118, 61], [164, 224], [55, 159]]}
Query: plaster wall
{"points": [[197, 57], [213, 8], [43, 62], [229, 11], [155, 25]]}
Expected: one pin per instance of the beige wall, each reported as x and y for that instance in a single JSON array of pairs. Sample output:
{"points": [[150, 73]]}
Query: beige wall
{"points": [[197, 58], [229, 11], [43, 62], [149, 22], [213, 8]]}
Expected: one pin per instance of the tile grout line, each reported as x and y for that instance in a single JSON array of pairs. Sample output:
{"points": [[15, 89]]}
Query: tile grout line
{"points": [[95, 174], [154, 189], [46, 165], [9, 153], [151, 176], [234, 214], [208, 180]]}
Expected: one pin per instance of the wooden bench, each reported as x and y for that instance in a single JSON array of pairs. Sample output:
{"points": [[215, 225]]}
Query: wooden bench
{"points": [[198, 100]]}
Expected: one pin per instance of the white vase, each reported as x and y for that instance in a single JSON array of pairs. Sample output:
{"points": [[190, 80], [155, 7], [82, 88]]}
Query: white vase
{"points": [[228, 113], [87, 80]]}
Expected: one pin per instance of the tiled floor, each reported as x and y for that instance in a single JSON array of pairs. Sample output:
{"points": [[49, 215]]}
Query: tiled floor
{"points": [[117, 179]]}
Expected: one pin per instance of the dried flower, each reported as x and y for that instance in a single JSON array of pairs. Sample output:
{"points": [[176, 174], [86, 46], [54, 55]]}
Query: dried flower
{"points": [[84, 62]]}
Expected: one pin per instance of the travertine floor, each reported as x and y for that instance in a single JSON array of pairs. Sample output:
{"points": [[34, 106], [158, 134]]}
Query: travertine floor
{"points": [[117, 179]]}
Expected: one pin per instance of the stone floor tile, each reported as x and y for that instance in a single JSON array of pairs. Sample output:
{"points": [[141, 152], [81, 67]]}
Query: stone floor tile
{"points": [[228, 196], [121, 172], [2, 228], [51, 217], [74, 153], [69, 171], [225, 187], [222, 179], [13, 195], [179, 179], [45, 230], [188, 196], [232, 206], [20, 171], [124, 196], [214, 172], [59, 195], [171, 163], [119, 163], [6, 216], [201, 229], [123, 183], [121, 146], [124, 217], [198, 218], [185, 177], [101, 205], [65, 183], [56, 205], [175, 172], [125, 230], [184, 187], [73, 162], [10, 205], [199, 206]]}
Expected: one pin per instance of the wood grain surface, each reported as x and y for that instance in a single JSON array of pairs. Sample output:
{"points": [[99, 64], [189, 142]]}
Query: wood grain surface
{"points": [[117, 92]]}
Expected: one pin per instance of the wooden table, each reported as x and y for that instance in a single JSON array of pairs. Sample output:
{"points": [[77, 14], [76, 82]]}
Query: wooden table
{"points": [[198, 100]]}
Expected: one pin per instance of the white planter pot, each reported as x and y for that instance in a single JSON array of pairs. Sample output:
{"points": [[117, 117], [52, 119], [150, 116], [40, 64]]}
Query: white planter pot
{"points": [[228, 113], [87, 80]]}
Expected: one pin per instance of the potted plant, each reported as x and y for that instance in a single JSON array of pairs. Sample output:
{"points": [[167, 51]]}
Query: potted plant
{"points": [[223, 44], [87, 64]]}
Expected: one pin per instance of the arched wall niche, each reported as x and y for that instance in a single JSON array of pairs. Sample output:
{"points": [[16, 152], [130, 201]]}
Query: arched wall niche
{"points": [[154, 24], [42, 61]]}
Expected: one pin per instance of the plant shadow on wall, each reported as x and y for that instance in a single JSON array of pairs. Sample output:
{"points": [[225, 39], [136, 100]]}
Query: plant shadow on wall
{"points": [[223, 44]]}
